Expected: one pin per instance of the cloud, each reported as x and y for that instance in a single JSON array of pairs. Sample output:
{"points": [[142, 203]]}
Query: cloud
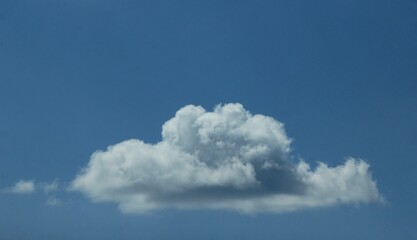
{"points": [[49, 190], [29, 187], [53, 201], [224, 159], [50, 186], [22, 187]]}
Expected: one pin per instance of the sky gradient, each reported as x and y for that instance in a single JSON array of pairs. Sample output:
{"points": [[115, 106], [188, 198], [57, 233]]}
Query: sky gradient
{"points": [[78, 76]]}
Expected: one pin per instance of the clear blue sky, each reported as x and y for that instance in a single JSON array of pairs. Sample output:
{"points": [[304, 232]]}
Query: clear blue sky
{"points": [[79, 75]]}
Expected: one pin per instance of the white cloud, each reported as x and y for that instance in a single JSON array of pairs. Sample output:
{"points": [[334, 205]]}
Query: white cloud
{"points": [[22, 187], [225, 159], [50, 186], [53, 201]]}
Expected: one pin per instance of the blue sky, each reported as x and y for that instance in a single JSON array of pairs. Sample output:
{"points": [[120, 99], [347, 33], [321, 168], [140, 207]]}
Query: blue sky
{"points": [[78, 76]]}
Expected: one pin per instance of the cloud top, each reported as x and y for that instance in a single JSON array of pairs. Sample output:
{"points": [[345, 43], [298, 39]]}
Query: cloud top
{"points": [[224, 159]]}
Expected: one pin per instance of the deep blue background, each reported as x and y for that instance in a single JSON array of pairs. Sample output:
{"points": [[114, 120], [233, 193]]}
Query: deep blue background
{"points": [[79, 75]]}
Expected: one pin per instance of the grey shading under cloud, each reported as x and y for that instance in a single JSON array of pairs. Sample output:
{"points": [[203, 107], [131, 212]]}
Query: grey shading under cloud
{"points": [[21, 187], [224, 159]]}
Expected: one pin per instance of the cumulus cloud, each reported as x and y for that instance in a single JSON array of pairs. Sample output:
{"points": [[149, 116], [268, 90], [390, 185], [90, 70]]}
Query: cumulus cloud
{"points": [[22, 187], [224, 159]]}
